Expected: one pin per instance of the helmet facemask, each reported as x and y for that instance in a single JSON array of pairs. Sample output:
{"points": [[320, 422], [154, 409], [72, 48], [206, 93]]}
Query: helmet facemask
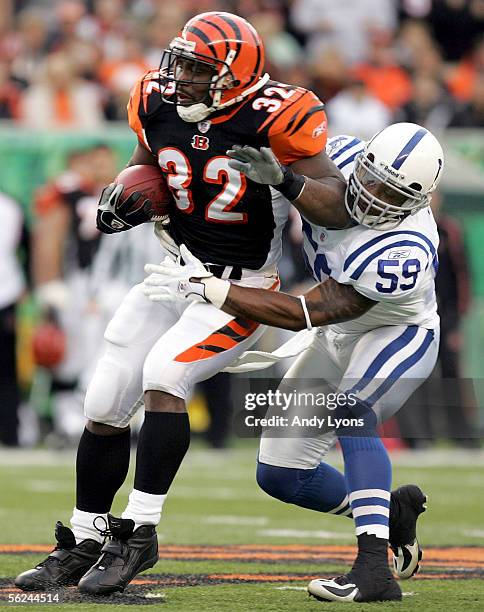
{"points": [[375, 199], [171, 67], [221, 81]]}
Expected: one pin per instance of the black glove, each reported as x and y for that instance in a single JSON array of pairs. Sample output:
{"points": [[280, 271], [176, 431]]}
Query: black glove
{"points": [[113, 216]]}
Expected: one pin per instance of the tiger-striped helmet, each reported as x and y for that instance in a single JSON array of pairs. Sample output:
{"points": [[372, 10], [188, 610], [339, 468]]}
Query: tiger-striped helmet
{"points": [[230, 46]]}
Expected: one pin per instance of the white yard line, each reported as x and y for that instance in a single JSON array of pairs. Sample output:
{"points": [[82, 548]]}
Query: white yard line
{"points": [[220, 519], [301, 533]]}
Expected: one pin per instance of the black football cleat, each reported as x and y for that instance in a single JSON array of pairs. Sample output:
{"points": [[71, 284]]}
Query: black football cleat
{"points": [[126, 553], [65, 565], [406, 505], [370, 578]]}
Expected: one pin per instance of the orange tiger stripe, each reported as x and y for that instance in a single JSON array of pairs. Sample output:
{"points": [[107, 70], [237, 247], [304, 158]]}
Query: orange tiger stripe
{"points": [[217, 339], [279, 119], [222, 340], [239, 329], [306, 136]]}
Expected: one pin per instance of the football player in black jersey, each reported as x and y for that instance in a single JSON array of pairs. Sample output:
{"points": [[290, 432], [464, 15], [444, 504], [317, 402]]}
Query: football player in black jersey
{"points": [[210, 95]]}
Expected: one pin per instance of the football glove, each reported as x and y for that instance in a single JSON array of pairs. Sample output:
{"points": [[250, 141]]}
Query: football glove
{"points": [[114, 216], [264, 168], [171, 280], [164, 236], [259, 166]]}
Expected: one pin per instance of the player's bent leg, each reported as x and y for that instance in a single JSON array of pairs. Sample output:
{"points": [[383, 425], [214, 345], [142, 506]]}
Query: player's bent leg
{"points": [[176, 362], [400, 359], [103, 453], [290, 468], [200, 344], [405, 358], [368, 478], [111, 401], [322, 488]]}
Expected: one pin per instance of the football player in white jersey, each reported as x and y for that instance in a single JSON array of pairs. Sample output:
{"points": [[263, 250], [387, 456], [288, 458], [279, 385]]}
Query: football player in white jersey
{"points": [[376, 338]]}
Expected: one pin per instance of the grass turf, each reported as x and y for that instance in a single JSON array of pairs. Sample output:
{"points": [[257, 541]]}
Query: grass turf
{"points": [[215, 501]]}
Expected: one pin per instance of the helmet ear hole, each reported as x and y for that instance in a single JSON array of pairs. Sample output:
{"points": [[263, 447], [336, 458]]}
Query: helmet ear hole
{"points": [[416, 186], [371, 157]]}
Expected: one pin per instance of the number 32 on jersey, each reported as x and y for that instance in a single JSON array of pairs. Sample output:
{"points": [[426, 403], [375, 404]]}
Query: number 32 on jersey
{"points": [[178, 171]]}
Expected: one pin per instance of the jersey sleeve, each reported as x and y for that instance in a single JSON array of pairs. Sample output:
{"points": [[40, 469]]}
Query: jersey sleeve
{"points": [[300, 129], [391, 269], [137, 105]]}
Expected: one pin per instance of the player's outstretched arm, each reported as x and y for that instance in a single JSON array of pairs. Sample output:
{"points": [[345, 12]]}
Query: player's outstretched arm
{"points": [[322, 201], [314, 184], [328, 302]]}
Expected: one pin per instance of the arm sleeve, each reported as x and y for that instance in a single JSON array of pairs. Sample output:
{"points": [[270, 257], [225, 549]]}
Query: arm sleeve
{"points": [[300, 130]]}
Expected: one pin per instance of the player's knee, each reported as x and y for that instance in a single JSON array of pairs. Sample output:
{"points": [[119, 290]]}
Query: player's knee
{"points": [[101, 429], [280, 482], [160, 401], [167, 377], [107, 389], [356, 416]]}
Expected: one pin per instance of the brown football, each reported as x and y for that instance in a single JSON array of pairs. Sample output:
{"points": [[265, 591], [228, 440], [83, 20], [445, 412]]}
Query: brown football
{"points": [[152, 184]]}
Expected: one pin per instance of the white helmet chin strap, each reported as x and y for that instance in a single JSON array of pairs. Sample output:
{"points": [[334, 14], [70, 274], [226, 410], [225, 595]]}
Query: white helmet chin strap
{"points": [[200, 111]]}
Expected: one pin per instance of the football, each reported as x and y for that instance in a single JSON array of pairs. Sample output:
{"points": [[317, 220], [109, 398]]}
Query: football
{"points": [[149, 180]]}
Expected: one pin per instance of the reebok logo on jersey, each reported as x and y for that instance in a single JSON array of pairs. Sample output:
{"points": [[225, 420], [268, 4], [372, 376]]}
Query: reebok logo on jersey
{"points": [[399, 254], [200, 142]]}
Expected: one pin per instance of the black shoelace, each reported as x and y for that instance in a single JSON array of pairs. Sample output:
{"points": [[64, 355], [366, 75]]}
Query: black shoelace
{"points": [[108, 557]]}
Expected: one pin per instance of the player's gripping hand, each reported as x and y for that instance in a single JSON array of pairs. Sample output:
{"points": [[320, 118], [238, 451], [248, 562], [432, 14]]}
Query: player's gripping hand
{"points": [[114, 216], [260, 166], [191, 280], [162, 232]]}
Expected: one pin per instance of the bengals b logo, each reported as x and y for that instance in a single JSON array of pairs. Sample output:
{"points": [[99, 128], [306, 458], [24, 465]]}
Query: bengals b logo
{"points": [[200, 142]]}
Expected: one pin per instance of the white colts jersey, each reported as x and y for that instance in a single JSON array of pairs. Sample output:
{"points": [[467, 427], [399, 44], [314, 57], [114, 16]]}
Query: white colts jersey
{"points": [[396, 268]]}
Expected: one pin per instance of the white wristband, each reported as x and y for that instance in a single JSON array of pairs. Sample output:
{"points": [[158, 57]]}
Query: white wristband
{"points": [[216, 290], [302, 299]]}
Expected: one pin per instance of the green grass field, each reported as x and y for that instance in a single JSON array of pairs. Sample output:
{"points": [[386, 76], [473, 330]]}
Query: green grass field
{"points": [[225, 545]]}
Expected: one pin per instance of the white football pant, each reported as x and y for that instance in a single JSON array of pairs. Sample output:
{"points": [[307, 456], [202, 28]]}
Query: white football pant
{"points": [[381, 368]]}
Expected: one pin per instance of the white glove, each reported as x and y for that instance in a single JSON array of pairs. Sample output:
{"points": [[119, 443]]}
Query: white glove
{"points": [[259, 166], [171, 280]]}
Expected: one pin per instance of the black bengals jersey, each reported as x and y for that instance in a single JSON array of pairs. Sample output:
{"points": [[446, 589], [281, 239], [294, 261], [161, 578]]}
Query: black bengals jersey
{"points": [[222, 216]]}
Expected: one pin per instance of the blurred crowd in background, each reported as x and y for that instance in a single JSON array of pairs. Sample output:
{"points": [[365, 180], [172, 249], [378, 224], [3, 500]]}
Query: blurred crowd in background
{"points": [[70, 64]]}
